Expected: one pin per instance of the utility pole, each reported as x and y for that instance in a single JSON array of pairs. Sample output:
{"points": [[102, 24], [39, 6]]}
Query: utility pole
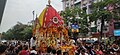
{"points": [[81, 4], [33, 17], [102, 25], [33, 12], [101, 32], [88, 12]]}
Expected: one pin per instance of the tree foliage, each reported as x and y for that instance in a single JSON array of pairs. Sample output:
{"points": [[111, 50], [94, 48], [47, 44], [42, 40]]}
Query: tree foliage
{"points": [[105, 10], [99, 10], [73, 13], [19, 31]]}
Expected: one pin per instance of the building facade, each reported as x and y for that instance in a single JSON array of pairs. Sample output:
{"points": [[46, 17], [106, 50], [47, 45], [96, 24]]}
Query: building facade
{"points": [[2, 6], [86, 4], [80, 4]]}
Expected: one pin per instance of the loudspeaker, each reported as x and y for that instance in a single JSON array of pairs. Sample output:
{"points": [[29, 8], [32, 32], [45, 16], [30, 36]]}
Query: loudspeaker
{"points": [[116, 25]]}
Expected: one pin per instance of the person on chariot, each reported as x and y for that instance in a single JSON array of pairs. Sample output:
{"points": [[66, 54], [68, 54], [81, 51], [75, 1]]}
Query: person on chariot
{"points": [[75, 27], [32, 42]]}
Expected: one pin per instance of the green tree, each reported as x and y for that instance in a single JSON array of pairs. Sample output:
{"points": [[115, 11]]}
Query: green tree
{"points": [[74, 12], [100, 11], [19, 31]]}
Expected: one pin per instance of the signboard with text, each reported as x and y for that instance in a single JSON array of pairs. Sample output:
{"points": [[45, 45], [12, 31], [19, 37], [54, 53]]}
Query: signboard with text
{"points": [[117, 32]]}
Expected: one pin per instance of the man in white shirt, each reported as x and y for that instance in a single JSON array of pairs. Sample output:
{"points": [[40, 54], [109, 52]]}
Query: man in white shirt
{"points": [[32, 42]]}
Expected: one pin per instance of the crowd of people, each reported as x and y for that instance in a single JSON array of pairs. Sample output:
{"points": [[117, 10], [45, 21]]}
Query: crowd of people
{"points": [[80, 48], [98, 48]]}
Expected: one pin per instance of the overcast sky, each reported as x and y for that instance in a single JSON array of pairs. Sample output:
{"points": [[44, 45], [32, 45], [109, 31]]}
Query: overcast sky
{"points": [[21, 10]]}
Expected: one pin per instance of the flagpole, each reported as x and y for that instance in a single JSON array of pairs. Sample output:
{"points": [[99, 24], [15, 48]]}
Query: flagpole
{"points": [[49, 2]]}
